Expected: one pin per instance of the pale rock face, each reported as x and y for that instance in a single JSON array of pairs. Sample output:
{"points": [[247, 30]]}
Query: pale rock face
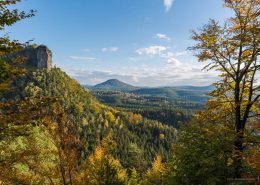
{"points": [[43, 57], [39, 57]]}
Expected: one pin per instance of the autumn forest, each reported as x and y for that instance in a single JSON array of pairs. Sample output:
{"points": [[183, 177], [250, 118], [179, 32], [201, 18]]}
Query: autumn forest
{"points": [[54, 130]]}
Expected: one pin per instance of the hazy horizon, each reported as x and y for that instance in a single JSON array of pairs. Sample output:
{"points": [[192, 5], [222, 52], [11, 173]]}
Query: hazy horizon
{"points": [[147, 86]]}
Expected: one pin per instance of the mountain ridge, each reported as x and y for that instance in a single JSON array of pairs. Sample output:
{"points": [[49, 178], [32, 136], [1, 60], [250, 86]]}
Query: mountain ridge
{"points": [[168, 91], [115, 84]]}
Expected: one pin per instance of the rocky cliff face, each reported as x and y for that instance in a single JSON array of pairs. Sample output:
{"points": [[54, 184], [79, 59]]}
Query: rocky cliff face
{"points": [[43, 57], [38, 56]]}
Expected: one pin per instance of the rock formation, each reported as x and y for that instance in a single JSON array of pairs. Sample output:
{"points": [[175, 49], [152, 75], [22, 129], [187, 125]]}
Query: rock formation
{"points": [[36, 56]]}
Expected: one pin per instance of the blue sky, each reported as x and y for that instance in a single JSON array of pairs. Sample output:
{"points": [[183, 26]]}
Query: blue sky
{"points": [[141, 42]]}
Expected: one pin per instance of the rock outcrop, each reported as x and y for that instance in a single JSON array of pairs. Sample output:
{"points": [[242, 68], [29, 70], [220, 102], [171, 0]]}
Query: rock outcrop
{"points": [[36, 56]]}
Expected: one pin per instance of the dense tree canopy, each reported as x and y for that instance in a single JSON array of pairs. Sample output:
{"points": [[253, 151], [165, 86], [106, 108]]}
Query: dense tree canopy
{"points": [[233, 49]]}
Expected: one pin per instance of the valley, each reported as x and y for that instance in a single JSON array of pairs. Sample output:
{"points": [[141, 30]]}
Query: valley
{"points": [[169, 105]]}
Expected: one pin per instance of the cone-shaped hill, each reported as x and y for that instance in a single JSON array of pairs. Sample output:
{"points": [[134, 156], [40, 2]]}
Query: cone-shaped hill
{"points": [[114, 84]]}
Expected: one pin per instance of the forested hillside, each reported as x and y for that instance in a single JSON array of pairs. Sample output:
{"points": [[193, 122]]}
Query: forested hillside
{"points": [[171, 112], [138, 140], [171, 106]]}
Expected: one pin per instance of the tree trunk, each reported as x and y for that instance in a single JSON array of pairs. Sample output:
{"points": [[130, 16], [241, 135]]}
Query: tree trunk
{"points": [[238, 143], [63, 174], [238, 154]]}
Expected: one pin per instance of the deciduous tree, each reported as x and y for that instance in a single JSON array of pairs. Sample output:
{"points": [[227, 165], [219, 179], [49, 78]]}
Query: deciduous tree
{"points": [[103, 168], [157, 173], [233, 49]]}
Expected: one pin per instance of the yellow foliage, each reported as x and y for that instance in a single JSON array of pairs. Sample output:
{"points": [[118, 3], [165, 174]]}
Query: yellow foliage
{"points": [[95, 107], [37, 162], [162, 136], [134, 118], [155, 174], [84, 122], [79, 107], [158, 166], [106, 124], [110, 116], [97, 155], [100, 162]]}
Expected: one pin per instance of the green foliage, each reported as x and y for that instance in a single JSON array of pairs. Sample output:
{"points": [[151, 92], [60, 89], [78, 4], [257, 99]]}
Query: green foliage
{"points": [[172, 108], [103, 168], [28, 154], [90, 121], [134, 178], [233, 49], [202, 155], [8, 17], [157, 174], [5, 72]]}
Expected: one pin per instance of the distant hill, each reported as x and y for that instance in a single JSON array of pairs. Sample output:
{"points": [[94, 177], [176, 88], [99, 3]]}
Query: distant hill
{"points": [[195, 88], [195, 94], [189, 93], [114, 84], [117, 85]]}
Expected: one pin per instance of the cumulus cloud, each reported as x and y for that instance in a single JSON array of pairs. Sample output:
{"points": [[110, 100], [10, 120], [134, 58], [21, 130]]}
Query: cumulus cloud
{"points": [[82, 58], [162, 36], [151, 50], [168, 4], [163, 52], [110, 49]]}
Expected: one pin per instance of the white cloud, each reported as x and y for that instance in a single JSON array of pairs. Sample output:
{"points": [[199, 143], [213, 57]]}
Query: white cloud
{"points": [[82, 58], [151, 50], [173, 61], [168, 4], [111, 49], [135, 78], [170, 58], [164, 53], [162, 36]]}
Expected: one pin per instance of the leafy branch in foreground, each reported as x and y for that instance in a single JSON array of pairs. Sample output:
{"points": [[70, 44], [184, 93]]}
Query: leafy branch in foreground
{"points": [[8, 17]]}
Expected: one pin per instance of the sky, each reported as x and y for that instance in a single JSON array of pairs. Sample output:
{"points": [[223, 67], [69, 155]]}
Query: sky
{"points": [[140, 42]]}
